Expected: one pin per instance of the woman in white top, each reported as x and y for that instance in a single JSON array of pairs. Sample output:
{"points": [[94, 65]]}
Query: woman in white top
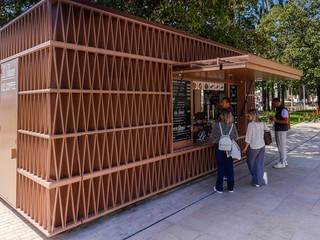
{"points": [[255, 148]]}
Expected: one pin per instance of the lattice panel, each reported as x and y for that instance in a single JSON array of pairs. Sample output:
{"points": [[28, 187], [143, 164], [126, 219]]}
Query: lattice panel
{"points": [[33, 112], [82, 112], [92, 153], [53, 209], [33, 70], [110, 191], [34, 155], [74, 23], [26, 32], [191, 164], [78, 24], [114, 149], [66, 160], [74, 69], [33, 199], [70, 204]]}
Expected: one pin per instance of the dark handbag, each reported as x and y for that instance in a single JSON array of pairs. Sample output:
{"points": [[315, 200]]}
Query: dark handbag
{"points": [[267, 137]]}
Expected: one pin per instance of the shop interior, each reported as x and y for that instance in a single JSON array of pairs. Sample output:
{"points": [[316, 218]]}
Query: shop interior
{"points": [[207, 97], [197, 107], [211, 80]]}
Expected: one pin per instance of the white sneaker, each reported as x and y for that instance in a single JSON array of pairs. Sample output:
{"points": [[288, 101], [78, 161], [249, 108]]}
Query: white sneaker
{"points": [[279, 165], [215, 190], [285, 162], [256, 185], [265, 178]]}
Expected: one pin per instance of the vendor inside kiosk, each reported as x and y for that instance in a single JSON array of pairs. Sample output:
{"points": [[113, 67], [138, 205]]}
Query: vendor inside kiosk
{"points": [[207, 82], [197, 107], [207, 97]]}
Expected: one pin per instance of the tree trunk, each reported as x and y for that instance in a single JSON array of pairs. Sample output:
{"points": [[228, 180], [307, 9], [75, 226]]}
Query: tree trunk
{"points": [[283, 93], [267, 99], [318, 95], [272, 91], [263, 100]]}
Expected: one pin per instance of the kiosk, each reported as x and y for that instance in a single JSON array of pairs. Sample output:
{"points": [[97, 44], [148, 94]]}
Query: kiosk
{"points": [[105, 109]]}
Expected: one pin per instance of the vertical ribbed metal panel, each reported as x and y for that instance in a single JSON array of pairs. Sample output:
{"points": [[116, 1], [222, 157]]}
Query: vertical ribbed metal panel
{"points": [[25, 32]]}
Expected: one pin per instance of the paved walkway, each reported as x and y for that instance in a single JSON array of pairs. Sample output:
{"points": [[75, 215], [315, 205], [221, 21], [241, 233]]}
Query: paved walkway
{"points": [[288, 208]]}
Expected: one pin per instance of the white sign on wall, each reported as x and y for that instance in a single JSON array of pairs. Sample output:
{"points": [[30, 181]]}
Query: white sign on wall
{"points": [[8, 73]]}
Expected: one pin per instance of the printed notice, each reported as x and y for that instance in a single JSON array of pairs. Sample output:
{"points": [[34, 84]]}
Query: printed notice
{"points": [[8, 81]]}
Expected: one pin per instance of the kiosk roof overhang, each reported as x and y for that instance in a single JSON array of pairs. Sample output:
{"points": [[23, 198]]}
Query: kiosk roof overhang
{"points": [[262, 68]]}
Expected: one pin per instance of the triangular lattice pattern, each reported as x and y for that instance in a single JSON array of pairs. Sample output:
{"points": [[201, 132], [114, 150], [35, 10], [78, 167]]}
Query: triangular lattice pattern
{"points": [[74, 23], [100, 194], [96, 92], [25, 32], [95, 111]]}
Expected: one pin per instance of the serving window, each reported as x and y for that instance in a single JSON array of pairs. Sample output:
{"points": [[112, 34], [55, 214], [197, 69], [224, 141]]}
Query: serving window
{"points": [[207, 97], [196, 108]]}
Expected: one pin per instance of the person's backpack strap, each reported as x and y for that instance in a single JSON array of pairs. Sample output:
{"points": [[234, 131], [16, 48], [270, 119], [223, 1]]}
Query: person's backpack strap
{"points": [[229, 131], [220, 129]]}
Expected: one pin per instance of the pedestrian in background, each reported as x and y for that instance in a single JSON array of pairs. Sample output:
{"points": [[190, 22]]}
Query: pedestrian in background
{"points": [[281, 127], [224, 160], [255, 148]]}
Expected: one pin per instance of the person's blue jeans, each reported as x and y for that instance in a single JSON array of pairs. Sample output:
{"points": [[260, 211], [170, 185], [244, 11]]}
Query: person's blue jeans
{"points": [[225, 165]]}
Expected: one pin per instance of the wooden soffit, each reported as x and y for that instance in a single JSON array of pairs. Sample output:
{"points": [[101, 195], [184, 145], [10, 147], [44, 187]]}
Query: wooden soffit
{"points": [[218, 68]]}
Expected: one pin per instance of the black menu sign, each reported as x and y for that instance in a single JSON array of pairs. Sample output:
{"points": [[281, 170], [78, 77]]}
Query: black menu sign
{"points": [[181, 110], [233, 98]]}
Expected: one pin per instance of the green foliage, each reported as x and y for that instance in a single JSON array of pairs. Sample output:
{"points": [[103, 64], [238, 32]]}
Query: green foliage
{"points": [[290, 35], [10, 9], [295, 117], [302, 116], [230, 22]]}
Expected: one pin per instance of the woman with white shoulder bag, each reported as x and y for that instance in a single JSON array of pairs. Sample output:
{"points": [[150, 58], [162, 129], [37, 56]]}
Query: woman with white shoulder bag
{"points": [[221, 131]]}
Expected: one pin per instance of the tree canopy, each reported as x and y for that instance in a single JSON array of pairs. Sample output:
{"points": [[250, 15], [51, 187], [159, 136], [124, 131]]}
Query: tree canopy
{"points": [[10, 9], [290, 35], [220, 20]]}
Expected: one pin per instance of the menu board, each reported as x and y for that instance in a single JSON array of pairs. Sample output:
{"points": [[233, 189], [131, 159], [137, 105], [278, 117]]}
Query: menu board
{"points": [[181, 110], [233, 98]]}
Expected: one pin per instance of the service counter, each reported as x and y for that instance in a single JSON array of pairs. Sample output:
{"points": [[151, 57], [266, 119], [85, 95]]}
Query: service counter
{"points": [[201, 130], [208, 144], [197, 107], [196, 110]]}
